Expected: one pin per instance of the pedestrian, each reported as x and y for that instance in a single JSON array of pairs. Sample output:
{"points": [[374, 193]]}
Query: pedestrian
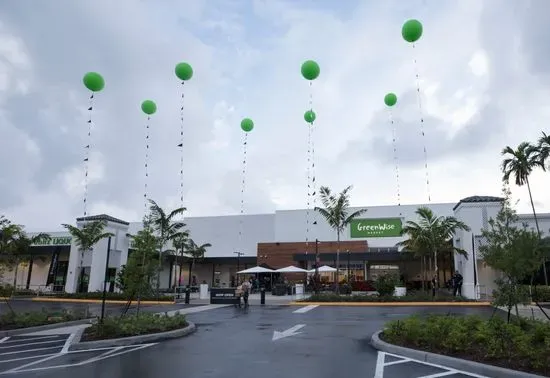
{"points": [[457, 284], [246, 286]]}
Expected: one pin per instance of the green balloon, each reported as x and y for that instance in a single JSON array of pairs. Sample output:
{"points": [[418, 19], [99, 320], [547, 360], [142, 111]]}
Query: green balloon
{"points": [[148, 107], [247, 125], [184, 71], [310, 70], [310, 116], [412, 30], [93, 81], [390, 99]]}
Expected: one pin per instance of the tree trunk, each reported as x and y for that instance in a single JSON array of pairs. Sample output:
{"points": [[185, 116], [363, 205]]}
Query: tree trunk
{"points": [[538, 230], [338, 262], [422, 271], [181, 268], [191, 264]]}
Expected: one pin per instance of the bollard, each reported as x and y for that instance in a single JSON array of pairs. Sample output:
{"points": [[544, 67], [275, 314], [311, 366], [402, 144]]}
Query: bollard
{"points": [[262, 296], [187, 295]]}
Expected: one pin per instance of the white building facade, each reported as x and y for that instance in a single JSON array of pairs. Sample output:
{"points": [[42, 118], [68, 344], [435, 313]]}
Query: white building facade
{"points": [[58, 263]]}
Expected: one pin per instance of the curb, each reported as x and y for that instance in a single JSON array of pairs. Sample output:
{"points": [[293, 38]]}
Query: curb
{"points": [[451, 362], [46, 327], [72, 300], [383, 304], [125, 341]]}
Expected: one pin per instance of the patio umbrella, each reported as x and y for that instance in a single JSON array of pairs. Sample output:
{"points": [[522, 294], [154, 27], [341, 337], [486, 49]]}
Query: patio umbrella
{"points": [[323, 269], [291, 269], [256, 269]]}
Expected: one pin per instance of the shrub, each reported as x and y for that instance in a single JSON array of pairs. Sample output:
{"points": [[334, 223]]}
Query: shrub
{"points": [[524, 345], [133, 325], [111, 296], [37, 318], [410, 297], [386, 283], [540, 293]]}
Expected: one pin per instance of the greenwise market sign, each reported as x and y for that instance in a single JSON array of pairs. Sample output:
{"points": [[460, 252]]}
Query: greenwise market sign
{"points": [[55, 240], [375, 228]]}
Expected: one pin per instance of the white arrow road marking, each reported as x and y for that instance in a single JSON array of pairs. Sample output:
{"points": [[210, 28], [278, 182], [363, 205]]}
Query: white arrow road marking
{"points": [[289, 332]]}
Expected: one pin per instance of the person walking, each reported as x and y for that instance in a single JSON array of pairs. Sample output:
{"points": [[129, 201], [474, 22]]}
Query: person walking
{"points": [[246, 287], [457, 284]]}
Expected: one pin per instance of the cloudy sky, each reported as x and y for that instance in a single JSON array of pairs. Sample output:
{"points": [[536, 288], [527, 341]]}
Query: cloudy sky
{"points": [[485, 83]]}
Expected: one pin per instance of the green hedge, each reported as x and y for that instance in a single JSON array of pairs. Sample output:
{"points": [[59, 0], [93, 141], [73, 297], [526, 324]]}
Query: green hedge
{"points": [[524, 345], [417, 297], [111, 296], [133, 325], [541, 293], [31, 319]]}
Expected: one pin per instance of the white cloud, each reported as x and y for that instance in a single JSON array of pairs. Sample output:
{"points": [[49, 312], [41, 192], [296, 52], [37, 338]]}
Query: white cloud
{"points": [[479, 93]]}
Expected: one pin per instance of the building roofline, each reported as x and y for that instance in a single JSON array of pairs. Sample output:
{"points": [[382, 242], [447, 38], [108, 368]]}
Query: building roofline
{"points": [[478, 199], [102, 217]]}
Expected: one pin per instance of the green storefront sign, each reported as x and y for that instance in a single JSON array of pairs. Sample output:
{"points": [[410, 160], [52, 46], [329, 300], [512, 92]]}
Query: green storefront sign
{"points": [[55, 240], [375, 228]]}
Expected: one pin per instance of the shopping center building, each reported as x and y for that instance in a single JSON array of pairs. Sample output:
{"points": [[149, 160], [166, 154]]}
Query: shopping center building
{"points": [[368, 248]]}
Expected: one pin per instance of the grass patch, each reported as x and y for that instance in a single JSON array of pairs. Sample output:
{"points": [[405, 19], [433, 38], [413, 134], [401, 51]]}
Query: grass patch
{"points": [[133, 325], [11, 321], [416, 297], [522, 345]]}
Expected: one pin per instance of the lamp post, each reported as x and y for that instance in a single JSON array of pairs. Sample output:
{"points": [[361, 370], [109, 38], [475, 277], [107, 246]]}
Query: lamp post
{"points": [[348, 252]]}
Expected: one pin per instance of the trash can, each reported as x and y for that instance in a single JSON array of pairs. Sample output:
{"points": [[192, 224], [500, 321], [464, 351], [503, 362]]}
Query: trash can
{"points": [[299, 291]]}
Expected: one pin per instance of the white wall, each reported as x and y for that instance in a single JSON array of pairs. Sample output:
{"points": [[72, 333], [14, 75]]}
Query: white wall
{"points": [[290, 225]]}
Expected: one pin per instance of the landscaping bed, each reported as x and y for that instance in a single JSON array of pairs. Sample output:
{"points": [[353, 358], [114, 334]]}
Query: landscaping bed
{"points": [[133, 325], [416, 297], [10, 321], [522, 345], [98, 295]]}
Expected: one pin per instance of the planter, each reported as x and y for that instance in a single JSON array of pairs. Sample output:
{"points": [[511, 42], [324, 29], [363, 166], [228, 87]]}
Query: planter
{"points": [[400, 291]]}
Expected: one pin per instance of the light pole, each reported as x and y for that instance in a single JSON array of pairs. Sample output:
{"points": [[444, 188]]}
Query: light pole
{"points": [[348, 252], [316, 283], [106, 277]]}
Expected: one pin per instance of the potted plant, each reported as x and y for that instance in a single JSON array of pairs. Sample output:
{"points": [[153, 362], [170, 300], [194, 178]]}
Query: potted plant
{"points": [[400, 288]]}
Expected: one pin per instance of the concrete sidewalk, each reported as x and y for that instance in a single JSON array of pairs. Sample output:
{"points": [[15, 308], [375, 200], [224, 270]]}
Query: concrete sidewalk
{"points": [[529, 312]]}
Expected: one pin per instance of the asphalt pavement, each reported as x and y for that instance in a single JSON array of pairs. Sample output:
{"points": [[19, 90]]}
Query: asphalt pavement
{"points": [[271, 341]]}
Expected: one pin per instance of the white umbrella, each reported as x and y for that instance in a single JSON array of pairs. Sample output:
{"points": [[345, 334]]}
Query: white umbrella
{"points": [[256, 269], [291, 269], [323, 269]]}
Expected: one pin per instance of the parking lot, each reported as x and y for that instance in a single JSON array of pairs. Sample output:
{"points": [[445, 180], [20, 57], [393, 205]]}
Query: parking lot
{"points": [[267, 342]]}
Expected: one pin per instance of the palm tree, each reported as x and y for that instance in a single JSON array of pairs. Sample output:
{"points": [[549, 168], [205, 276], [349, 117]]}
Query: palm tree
{"points": [[21, 247], [335, 210], [431, 234], [520, 163], [180, 242], [543, 150], [197, 252], [166, 229], [85, 238]]}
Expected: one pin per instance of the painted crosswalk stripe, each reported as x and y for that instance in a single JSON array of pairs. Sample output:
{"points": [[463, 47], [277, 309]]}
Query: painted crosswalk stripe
{"points": [[305, 309]]}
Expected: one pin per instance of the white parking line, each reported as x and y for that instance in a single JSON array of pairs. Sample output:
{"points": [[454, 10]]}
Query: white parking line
{"points": [[28, 350], [68, 343], [4, 339], [379, 373], [30, 339], [20, 345], [305, 309]]}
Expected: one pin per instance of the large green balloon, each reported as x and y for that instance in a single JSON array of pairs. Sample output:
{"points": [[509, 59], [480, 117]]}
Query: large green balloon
{"points": [[412, 30], [148, 107], [310, 116], [247, 125], [390, 99], [93, 81], [310, 70], [184, 71]]}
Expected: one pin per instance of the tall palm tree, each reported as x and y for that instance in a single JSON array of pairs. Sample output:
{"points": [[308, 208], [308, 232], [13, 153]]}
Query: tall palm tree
{"points": [[431, 234], [85, 238], [336, 210], [543, 150], [166, 227], [197, 253], [21, 249], [520, 163]]}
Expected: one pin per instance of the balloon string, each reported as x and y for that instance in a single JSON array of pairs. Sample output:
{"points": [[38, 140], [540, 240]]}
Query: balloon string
{"points": [[87, 149], [308, 201], [313, 179], [419, 97], [395, 157], [181, 145], [243, 188], [146, 163]]}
